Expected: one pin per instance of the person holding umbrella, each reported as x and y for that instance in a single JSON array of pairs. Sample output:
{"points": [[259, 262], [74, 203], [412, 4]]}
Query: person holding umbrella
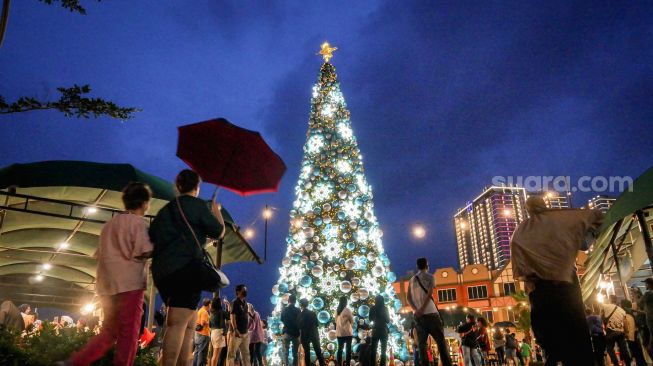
{"points": [[178, 233]]}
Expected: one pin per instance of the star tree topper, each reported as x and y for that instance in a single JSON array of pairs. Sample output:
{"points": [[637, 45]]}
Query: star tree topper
{"points": [[327, 51]]}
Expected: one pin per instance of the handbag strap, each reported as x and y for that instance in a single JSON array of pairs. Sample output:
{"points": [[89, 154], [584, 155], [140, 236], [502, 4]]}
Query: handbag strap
{"points": [[183, 216], [427, 292], [607, 320]]}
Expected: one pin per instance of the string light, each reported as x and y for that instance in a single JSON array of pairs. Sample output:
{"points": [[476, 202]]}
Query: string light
{"points": [[46, 266], [91, 210], [63, 245], [39, 278], [88, 308], [248, 233], [600, 298]]}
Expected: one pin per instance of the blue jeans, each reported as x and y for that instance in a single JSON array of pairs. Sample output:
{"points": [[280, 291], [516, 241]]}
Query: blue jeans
{"points": [[201, 349], [471, 355]]}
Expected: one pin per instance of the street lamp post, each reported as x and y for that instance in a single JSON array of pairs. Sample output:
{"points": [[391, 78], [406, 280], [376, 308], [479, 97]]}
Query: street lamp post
{"points": [[265, 239]]}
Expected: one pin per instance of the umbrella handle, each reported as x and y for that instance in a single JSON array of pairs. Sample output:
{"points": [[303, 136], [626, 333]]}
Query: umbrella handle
{"points": [[215, 193]]}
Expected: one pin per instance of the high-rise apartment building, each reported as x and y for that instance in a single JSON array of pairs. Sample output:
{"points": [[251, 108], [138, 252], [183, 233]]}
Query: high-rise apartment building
{"points": [[601, 203], [553, 199], [485, 225]]}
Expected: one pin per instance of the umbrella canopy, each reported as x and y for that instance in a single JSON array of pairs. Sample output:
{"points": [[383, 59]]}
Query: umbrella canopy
{"points": [[40, 209], [621, 229], [230, 156]]}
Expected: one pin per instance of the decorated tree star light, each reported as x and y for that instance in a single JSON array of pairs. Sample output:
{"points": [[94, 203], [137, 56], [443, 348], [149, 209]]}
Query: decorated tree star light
{"points": [[334, 246]]}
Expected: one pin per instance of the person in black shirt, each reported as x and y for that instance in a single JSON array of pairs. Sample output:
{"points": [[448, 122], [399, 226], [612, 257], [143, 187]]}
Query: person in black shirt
{"points": [[238, 335], [469, 336], [289, 318], [379, 315], [307, 322]]}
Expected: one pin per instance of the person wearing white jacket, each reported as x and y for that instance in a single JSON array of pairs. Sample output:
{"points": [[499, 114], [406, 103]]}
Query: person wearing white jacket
{"points": [[344, 330]]}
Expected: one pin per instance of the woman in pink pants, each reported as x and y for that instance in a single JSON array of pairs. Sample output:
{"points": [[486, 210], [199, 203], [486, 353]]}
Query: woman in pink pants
{"points": [[121, 280]]}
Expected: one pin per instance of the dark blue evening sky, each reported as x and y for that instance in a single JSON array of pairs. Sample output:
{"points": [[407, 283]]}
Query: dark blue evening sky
{"points": [[443, 95]]}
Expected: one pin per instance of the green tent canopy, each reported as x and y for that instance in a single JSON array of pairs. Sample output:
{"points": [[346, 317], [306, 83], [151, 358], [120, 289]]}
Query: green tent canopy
{"points": [[45, 204], [623, 233]]}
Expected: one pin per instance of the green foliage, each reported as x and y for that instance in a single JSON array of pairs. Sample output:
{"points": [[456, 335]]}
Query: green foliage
{"points": [[72, 102], [47, 347], [523, 312], [72, 5]]}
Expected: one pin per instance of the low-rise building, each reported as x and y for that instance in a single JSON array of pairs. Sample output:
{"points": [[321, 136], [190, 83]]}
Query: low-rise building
{"points": [[489, 293]]}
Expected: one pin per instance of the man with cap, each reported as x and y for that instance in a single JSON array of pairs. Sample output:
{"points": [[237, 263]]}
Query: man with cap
{"points": [[308, 333], [543, 253]]}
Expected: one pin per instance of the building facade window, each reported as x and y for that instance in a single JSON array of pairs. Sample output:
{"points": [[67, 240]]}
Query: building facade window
{"points": [[511, 315], [489, 316], [477, 292], [448, 295], [509, 288]]}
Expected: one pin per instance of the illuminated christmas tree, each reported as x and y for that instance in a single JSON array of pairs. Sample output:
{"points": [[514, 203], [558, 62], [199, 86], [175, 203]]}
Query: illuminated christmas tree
{"points": [[334, 242]]}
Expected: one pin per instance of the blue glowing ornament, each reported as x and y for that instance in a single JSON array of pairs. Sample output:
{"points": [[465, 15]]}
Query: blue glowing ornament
{"points": [[283, 287], [403, 354], [341, 215], [275, 328], [323, 316], [386, 298], [351, 188], [391, 277], [274, 299], [358, 201], [296, 257], [362, 263], [364, 310], [310, 264], [306, 281], [397, 305], [318, 221], [318, 303], [350, 245]]}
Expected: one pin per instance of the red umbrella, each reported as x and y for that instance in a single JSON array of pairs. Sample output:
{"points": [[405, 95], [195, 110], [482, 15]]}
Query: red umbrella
{"points": [[230, 156]]}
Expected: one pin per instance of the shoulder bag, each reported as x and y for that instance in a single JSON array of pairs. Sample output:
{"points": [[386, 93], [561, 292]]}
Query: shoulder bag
{"points": [[210, 278], [431, 298]]}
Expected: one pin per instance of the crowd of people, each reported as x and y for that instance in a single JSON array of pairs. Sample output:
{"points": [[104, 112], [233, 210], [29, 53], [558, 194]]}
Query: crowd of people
{"points": [[543, 248]]}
